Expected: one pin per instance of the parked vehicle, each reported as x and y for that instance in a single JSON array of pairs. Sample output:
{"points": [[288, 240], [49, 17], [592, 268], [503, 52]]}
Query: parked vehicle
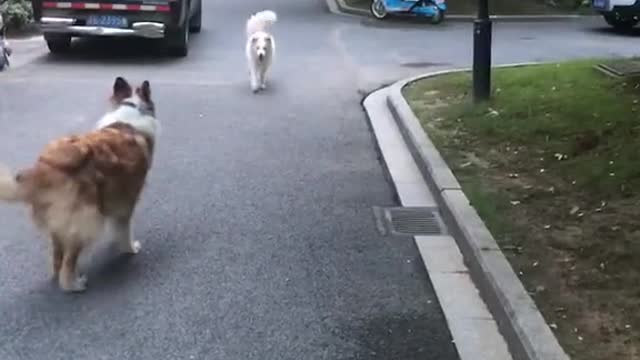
{"points": [[621, 14], [432, 9], [171, 20]]}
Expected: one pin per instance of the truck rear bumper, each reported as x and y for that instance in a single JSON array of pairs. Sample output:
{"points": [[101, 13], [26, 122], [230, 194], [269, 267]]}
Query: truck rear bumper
{"points": [[624, 7], [68, 25]]}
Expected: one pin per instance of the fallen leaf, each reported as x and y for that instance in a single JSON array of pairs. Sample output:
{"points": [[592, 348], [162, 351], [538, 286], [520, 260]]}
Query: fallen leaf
{"points": [[574, 210]]}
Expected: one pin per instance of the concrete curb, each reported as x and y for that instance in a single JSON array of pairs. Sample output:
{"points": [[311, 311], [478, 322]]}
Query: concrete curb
{"points": [[520, 322], [339, 6]]}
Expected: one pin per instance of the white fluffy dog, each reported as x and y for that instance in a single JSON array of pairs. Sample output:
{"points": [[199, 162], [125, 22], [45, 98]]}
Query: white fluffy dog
{"points": [[260, 48]]}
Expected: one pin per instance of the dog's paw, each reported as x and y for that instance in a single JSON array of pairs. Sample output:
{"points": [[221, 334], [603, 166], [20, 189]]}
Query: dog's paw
{"points": [[132, 248], [79, 284], [136, 246]]}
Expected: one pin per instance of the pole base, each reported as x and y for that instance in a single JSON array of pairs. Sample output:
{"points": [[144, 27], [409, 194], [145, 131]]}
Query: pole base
{"points": [[481, 59]]}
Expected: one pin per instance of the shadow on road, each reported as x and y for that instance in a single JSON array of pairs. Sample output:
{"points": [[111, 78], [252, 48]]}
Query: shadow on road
{"points": [[407, 22], [407, 336], [635, 32], [116, 51]]}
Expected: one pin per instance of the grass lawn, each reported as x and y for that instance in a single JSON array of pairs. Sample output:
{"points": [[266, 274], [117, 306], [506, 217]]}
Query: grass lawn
{"points": [[500, 7], [552, 165]]}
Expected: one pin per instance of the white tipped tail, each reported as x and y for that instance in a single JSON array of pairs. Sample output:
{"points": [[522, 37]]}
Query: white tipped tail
{"points": [[9, 187], [261, 21]]}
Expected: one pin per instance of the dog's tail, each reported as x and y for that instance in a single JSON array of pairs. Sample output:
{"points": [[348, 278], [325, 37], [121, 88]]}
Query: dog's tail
{"points": [[261, 21], [10, 189]]}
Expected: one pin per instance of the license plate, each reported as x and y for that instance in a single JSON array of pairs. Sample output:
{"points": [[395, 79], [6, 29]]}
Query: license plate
{"points": [[110, 21], [600, 4]]}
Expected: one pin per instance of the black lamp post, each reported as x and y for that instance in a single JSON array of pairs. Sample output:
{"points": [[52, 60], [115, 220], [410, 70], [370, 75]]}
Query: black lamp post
{"points": [[482, 53]]}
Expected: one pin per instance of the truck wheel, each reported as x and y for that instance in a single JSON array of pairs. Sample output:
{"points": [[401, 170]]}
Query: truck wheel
{"points": [[195, 25], [178, 41], [620, 23], [58, 43]]}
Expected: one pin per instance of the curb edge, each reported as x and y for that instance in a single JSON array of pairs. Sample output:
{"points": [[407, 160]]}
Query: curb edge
{"points": [[527, 333], [340, 7]]}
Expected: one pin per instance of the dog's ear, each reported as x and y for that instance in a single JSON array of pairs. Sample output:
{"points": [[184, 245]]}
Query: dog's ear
{"points": [[121, 90], [144, 91]]}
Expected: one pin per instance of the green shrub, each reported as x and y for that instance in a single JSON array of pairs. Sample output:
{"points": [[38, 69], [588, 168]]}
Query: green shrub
{"points": [[16, 13]]}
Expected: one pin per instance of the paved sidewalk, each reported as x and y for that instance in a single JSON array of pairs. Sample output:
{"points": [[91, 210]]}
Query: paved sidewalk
{"points": [[472, 326], [467, 258], [341, 7]]}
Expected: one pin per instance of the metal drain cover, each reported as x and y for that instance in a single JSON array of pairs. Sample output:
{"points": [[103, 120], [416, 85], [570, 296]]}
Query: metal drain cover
{"points": [[405, 221]]}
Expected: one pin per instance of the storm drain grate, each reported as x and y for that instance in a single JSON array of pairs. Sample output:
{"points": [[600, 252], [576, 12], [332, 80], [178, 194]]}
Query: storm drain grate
{"points": [[408, 221]]}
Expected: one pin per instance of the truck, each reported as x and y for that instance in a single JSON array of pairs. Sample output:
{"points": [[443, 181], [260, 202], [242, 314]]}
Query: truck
{"points": [[620, 14], [169, 20]]}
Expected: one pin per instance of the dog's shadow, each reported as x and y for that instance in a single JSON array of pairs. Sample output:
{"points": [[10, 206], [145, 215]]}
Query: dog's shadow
{"points": [[270, 90], [105, 266], [110, 274]]}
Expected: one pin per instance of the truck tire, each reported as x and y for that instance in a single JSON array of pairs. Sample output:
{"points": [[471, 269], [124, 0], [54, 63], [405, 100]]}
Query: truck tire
{"points": [[178, 41], [195, 25], [620, 23], [58, 43]]}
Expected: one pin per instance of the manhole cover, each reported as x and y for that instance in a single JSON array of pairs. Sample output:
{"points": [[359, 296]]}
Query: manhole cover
{"points": [[621, 67], [408, 221]]}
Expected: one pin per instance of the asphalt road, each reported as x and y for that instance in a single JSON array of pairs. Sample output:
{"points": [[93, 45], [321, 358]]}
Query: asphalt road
{"points": [[257, 229]]}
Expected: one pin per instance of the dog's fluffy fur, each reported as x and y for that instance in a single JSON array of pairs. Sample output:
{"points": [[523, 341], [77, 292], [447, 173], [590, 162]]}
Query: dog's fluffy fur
{"points": [[81, 183], [260, 47]]}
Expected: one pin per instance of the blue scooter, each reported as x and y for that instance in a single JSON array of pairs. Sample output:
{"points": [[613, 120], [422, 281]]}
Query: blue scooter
{"points": [[432, 9]]}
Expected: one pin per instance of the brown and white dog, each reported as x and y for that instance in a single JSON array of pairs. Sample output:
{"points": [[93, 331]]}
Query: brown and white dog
{"points": [[82, 183]]}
